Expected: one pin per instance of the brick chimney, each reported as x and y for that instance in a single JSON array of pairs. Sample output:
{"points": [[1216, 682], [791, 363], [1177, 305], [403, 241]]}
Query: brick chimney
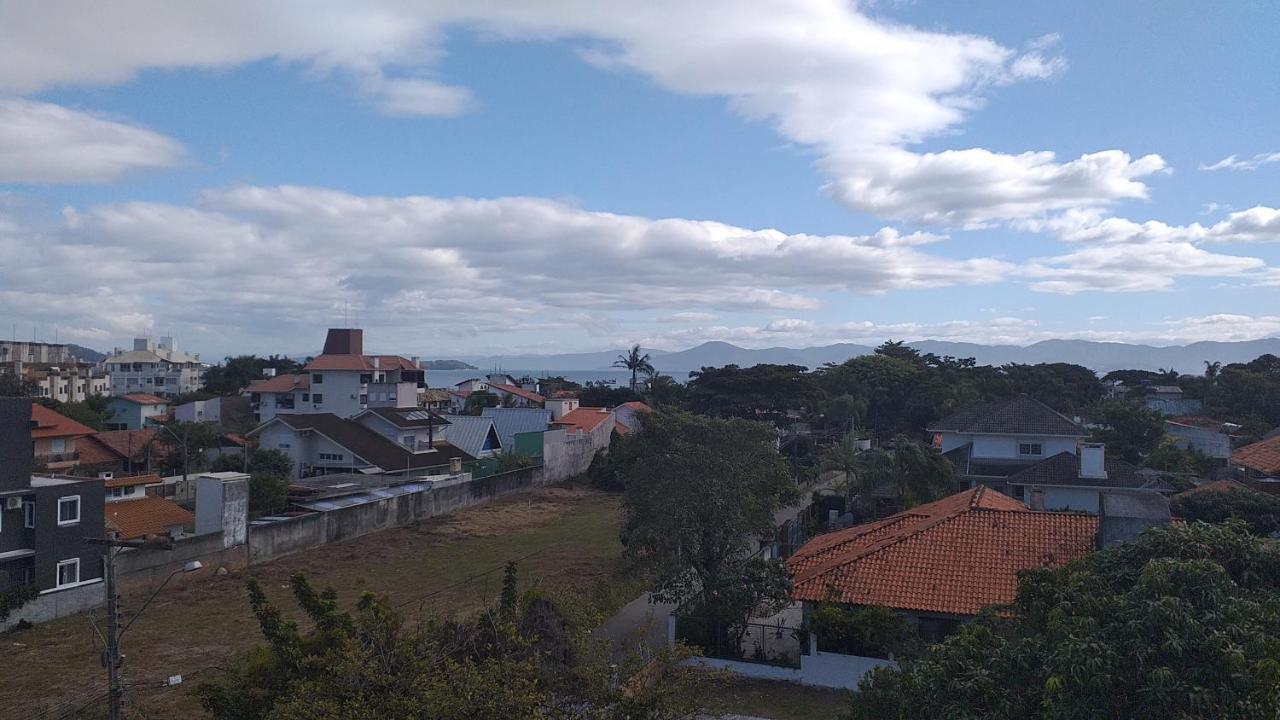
{"points": [[17, 452], [344, 341]]}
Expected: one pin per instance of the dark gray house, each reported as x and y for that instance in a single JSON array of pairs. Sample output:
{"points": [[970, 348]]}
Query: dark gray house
{"points": [[43, 520]]}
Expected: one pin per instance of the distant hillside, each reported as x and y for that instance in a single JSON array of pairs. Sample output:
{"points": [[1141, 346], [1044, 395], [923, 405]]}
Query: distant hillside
{"points": [[1102, 357], [447, 365], [86, 354]]}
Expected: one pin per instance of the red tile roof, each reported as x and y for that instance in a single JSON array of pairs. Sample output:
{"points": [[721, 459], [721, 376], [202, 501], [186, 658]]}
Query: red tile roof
{"points": [[638, 406], [145, 516], [1199, 421], [281, 383], [144, 399], [1263, 456], [953, 557], [584, 419], [132, 480], [118, 445], [360, 362], [517, 391], [50, 424]]}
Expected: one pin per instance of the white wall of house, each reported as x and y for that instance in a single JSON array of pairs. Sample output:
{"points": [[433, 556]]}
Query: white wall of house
{"points": [[209, 411], [1210, 442], [1008, 446], [340, 393], [309, 449], [1070, 498]]}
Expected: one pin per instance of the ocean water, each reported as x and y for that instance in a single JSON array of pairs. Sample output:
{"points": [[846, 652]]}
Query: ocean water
{"points": [[621, 378]]}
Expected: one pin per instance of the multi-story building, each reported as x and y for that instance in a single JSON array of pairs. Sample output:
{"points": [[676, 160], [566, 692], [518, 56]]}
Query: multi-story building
{"points": [[156, 369], [136, 411], [38, 353], [44, 520], [342, 381], [67, 383]]}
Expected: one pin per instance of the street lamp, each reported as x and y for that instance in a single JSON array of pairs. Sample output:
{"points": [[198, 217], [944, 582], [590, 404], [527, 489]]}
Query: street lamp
{"points": [[111, 657]]}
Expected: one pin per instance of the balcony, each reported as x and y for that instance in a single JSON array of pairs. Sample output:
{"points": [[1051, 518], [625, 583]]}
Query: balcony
{"points": [[57, 458]]}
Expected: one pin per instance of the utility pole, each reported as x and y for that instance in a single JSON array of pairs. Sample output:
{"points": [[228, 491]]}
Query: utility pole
{"points": [[111, 657]]}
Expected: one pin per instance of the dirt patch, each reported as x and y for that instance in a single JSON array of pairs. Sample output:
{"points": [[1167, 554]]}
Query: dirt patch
{"points": [[566, 537]]}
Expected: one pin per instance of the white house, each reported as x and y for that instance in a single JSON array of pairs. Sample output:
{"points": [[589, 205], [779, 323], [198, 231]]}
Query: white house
{"points": [[1204, 435], [154, 369], [1077, 482], [135, 411], [593, 422], [997, 438]]}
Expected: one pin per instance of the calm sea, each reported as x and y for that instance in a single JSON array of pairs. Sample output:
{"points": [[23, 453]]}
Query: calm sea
{"points": [[449, 378]]}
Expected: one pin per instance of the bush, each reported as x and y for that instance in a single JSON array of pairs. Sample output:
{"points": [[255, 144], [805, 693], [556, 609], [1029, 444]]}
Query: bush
{"points": [[867, 630], [1260, 511]]}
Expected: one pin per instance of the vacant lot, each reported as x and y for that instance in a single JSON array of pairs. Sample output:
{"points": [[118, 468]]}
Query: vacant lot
{"points": [[774, 700], [446, 564]]}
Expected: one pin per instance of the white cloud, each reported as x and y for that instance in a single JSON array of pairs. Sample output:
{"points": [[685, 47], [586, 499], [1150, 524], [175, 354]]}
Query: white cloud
{"points": [[861, 91], [257, 262], [1256, 225], [1132, 267], [45, 143], [1232, 162]]}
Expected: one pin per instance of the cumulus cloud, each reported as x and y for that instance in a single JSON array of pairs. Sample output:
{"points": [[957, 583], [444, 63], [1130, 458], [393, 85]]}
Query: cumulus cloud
{"points": [[255, 260], [46, 143], [1233, 162], [860, 90], [1133, 267], [1256, 225]]}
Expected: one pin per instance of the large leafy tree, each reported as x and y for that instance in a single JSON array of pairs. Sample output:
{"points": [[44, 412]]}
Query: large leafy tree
{"points": [[760, 392], [1130, 431], [1259, 511], [699, 493], [637, 361], [1183, 623], [14, 385], [236, 373]]}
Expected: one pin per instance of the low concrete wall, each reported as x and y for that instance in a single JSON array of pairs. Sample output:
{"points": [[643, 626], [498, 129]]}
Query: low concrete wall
{"points": [[275, 539], [53, 605], [564, 457], [144, 567]]}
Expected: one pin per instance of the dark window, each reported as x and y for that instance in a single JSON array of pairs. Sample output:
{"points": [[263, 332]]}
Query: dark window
{"points": [[69, 510], [69, 572], [366, 378], [317, 379], [1030, 449], [364, 398], [317, 398], [306, 397], [29, 514]]}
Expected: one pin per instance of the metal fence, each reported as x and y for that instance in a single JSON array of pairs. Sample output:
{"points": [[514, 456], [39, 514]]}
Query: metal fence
{"points": [[747, 642]]}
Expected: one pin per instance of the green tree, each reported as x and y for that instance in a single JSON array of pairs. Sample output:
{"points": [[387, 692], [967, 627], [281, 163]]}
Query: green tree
{"points": [[13, 385], [1183, 623], [637, 362], [478, 401], [1171, 457], [1130, 431], [267, 493], [598, 395], [760, 392], [1259, 511], [699, 492], [859, 470], [262, 461], [237, 373], [663, 390]]}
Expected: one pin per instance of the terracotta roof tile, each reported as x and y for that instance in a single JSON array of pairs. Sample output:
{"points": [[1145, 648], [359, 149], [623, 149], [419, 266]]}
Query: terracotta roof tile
{"points": [[583, 419], [117, 445], [132, 480], [1263, 456], [954, 557], [50, 424], [145, 516], [144, 399], [517, 391]]}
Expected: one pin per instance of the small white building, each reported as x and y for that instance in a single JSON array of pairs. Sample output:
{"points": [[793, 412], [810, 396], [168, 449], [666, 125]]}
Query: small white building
{"points": [[155, 369]]}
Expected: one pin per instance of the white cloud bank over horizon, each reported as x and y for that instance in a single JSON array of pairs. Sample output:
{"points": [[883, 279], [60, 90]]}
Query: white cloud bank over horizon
{"points": [[860, 90]]}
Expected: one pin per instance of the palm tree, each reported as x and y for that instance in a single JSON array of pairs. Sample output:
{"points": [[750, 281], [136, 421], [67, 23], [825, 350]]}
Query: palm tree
{"points": [[863, 470], [1211, 370], [636, 362]]}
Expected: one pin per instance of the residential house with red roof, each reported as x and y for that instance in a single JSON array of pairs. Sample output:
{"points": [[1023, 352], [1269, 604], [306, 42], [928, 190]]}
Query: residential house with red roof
{"points": [[56, 438], [126, 451], [626, 416], [342, 380], [589, 422], [515, 396], [940, 563], [1259, 461], [136, 411]]}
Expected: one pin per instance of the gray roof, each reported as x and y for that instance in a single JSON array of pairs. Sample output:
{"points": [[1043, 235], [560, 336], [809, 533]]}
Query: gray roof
{"points": [[468, 433], [512, 421], [411, 417], [1064, 469], [367, 444], [1017, 416]]}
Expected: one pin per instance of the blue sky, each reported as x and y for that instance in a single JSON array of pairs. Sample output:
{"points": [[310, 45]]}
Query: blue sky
{"points": [[498, 179]]}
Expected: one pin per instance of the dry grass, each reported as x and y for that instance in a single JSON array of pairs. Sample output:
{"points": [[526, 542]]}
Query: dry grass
{"points": [[773, 699], [446, 564]]}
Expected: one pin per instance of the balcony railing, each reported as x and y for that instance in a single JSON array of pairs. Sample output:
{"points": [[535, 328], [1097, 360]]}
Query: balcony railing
{"points": [[49, 458]]}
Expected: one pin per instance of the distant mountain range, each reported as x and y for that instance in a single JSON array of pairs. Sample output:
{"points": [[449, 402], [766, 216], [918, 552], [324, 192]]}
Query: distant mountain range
{"points": [[1102, 357], [85, 354]]}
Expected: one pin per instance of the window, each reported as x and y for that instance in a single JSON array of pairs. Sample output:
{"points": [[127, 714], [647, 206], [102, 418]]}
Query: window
{"points": [[409, 441], [68, 572], [1030, 449], [331, 457], [29, 514], [364, 398], [317, 398], [58, 445], [306, 397], [283, 446], [366, 378], [69, 510], [317, 379]]}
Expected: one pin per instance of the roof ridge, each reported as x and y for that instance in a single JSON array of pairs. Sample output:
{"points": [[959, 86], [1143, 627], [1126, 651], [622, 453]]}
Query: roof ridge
{"points": [[880, 545]]}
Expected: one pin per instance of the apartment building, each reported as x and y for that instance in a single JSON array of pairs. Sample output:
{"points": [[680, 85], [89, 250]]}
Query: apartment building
{"points": [[342, 381], [156, 369]]}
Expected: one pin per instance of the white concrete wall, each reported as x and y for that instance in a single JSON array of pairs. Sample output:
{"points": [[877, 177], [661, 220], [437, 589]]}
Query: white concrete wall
{"points": [[1065, 498], [1211, 443], [341, 391]]}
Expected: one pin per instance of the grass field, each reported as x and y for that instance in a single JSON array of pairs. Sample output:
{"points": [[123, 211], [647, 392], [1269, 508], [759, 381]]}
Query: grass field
{"points": [[568, 537], [774, 700]]}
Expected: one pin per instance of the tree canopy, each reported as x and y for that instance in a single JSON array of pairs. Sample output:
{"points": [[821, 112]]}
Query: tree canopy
{"points": [[237, 373], [1259, 511], [1183, 623], [698, 494]]}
